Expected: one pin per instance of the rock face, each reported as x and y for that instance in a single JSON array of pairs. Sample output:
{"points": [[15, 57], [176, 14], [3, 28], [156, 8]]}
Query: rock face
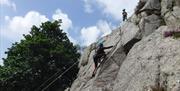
{"points": [[153, 60], [171, 12], [141, 57]]}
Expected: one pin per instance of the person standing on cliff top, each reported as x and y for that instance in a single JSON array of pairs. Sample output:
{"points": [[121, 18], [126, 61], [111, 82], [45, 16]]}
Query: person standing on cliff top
{"points": [[124, 13]]}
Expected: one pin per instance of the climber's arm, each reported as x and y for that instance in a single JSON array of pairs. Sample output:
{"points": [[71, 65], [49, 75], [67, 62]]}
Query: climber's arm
{"points": [[108, 47]]}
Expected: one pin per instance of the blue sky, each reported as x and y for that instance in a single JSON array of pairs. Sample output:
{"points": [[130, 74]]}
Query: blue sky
{"points": [[84, 21]]}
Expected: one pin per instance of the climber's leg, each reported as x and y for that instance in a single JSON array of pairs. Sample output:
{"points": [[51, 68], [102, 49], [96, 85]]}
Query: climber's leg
{"points": [[95, 58], [103, 57]]}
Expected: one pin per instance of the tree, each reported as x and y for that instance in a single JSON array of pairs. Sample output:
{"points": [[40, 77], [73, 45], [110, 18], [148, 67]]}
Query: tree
{"points": [[42, 53]]}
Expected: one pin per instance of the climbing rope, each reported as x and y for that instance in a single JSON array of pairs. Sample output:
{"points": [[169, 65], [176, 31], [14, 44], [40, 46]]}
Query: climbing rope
{"points": [[43, 89], [120, 40], [47, 80], [112, 50], [120, 34]]}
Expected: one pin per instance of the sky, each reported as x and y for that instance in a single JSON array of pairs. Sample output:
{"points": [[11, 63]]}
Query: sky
{"points": [[84, 21]]}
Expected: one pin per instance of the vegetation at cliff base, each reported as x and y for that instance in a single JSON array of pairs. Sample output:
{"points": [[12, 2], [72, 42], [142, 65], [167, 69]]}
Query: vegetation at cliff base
{"points": [[43, 52]]}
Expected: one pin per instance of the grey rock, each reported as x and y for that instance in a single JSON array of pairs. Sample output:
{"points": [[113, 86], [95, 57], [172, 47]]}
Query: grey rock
{"points": [[149, 24], [171, 12], [166, 6], [134, 19], [141, 56], [176, 86], [85, 56], [129, 31], [67, 89], [173, 18], [177, 3], [147, 61], [152, 5]]}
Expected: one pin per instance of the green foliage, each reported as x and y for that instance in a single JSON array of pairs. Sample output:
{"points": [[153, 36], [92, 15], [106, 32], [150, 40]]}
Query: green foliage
{"points": [[37, 57]]}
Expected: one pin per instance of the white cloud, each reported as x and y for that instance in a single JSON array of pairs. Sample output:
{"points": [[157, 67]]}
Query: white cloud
{"points": [[7, 18], [16, 26], [92, 33], [88, 6], [66, 22], [8, 3], [104, 27], [113, 8], [1, 62], [89, 35], [73, 40], [19, 25]]}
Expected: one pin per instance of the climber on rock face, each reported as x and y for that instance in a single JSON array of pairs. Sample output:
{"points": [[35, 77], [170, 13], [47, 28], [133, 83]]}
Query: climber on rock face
{"points": [[124, 13], [100, 53]]}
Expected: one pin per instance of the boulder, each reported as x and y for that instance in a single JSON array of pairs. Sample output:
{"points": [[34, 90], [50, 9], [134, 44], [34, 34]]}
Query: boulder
{"points": [[149, 24], [152, 5], [129, 31], [85, 56], [173, 18], [166, 6], [154, 60]]}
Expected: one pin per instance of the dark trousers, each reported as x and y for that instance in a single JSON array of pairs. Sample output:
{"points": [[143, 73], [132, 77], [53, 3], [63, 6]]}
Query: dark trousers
{"points": [[97, 58], [124, 18]]}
